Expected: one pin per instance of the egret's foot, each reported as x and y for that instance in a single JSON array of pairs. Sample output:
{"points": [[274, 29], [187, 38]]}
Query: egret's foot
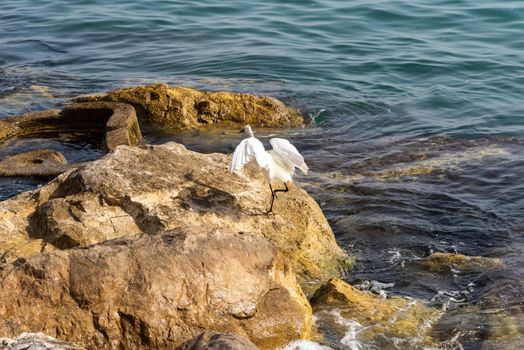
{"points": [[269, 212]]}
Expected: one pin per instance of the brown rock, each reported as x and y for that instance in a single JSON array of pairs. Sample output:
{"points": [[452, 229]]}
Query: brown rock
{"points": [[212, 340], [442, 262], [187, 108], [154, 291], [67, 223], [119, 121]]}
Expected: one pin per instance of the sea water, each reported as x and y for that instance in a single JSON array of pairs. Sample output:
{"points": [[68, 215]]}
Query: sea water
{"points": [[416, 136]]}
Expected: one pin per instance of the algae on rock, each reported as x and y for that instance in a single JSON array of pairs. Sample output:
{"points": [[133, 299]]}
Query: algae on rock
{"points": [[372, 319], [441, 262]]}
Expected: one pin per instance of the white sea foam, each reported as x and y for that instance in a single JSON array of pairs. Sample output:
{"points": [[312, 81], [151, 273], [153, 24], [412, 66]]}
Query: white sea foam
{"points": [[395, 256], [353, 327], [305, 345]]}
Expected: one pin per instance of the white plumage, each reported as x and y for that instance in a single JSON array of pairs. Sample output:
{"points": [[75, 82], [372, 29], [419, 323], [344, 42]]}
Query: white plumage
{"points": [[278, 163]]}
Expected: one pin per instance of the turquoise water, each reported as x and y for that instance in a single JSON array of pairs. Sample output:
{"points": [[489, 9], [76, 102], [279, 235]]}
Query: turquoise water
{"points": [[380, 68], [420, 146]]}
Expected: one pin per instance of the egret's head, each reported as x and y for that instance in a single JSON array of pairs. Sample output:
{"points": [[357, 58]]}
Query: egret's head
{"points": [[247, 131]]}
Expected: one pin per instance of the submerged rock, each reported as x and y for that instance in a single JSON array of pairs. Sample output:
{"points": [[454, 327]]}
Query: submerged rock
{"points": [[441, 262], [212, 340], [150, 245], [485, 328], [367, 318], [305, 345], [188, 108]]}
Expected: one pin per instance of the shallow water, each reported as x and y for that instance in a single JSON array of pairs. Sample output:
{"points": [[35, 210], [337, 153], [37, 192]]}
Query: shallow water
{"points": [[419, 147]]}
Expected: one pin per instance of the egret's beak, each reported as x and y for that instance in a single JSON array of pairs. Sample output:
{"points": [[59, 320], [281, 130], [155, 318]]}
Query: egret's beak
{"points": [[241, 131]]}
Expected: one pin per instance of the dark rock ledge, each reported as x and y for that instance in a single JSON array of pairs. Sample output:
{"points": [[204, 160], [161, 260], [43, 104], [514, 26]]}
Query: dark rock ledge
{"points": [[113, 123]]}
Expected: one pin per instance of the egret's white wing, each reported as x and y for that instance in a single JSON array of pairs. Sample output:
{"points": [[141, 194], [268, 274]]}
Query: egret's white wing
{"points": [[289, 153], [247, 150]]}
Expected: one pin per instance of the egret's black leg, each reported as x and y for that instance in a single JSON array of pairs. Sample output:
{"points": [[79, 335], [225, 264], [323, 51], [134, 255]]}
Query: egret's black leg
{"points": [[273, 195], [270, 210], [282, 190]]}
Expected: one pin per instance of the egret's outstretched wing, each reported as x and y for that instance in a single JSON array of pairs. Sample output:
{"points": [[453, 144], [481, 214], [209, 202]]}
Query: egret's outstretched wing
{"points": [[289, 153], [248, 149]]}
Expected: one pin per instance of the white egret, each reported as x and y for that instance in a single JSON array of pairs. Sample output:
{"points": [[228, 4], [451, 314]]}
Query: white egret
{"points": [[278, 163]]}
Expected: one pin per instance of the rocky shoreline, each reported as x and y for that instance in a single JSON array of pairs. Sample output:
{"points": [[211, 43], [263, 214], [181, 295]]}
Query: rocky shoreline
{"points": [[152, 246]]}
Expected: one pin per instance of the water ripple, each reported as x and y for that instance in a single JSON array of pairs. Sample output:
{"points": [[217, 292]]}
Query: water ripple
{"points": [[418, 149]]}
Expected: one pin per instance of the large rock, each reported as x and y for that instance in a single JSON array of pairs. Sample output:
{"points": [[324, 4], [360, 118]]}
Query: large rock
{"points": [[154, 188], [14, 239], [186, 108], [154, 291], [150, 245]]}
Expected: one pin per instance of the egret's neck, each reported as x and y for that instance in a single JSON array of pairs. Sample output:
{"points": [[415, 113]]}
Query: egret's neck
{"points": [[249, 132]]}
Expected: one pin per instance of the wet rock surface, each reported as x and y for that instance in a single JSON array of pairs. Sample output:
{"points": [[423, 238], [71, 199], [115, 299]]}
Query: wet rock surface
{"points": [[212, 340], [188, 108], [365, 318], [105, 123], [116, 123], [486, 328], [150, 245]]}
